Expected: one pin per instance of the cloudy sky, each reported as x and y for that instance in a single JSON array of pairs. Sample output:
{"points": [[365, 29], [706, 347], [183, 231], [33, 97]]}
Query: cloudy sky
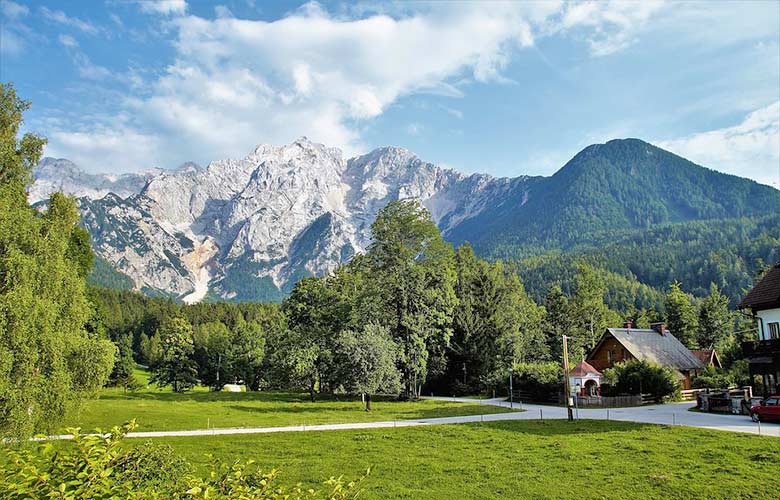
{"points": [[504, 88]]}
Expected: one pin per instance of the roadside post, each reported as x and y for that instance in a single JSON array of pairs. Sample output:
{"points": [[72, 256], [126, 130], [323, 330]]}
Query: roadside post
{"points": [[511, 402], [567, 389]]}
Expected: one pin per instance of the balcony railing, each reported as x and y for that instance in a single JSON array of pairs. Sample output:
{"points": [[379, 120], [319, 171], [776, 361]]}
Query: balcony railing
{"points": [[761, 348]]}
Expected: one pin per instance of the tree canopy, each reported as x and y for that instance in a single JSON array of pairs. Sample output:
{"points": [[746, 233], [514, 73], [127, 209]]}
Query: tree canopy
{"points": [[48, 359]]}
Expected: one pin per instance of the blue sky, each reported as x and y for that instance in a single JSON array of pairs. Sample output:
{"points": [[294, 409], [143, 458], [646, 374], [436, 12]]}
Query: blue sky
{"points": [[506, 88]]}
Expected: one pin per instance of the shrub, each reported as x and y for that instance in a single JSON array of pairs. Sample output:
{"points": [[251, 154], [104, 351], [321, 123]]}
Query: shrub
{"points": [[542, 381], [713, 378], [635, 377], [97, 467]]}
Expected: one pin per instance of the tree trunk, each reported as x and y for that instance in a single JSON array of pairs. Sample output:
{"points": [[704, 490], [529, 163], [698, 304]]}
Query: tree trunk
{"points": [[368, 402]]}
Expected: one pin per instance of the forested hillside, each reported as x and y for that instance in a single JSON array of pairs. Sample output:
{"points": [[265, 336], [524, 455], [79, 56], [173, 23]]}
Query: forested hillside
{"points": [[607, 189], [727, 252]]}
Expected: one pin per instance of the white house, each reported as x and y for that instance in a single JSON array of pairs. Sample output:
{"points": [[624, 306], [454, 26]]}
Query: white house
{"points": [[763, 301]]}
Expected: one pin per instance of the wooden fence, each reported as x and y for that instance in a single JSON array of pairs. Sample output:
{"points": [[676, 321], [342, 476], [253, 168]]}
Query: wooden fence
{"points": [[589, 401], [613, 401], [691, 394]]}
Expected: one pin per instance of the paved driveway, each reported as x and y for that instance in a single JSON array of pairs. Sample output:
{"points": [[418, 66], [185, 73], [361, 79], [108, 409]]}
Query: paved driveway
{"points": [[668, 414]]}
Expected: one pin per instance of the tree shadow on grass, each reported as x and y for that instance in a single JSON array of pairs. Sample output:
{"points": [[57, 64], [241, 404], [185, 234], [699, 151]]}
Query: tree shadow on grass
{"points": [[208, 397], [380, 411], [560, 427]]}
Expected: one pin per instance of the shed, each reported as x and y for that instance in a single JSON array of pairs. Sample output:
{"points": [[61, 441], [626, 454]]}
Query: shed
{"points": [[587, 378]]}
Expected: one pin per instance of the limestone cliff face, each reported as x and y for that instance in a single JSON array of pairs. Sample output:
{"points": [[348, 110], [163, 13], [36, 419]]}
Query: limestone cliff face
{"points": [[249, 228]]}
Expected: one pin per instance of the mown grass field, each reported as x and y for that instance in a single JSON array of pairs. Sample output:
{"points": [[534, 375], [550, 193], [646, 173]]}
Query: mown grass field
{"points": [[157, 409], [519, 459]]}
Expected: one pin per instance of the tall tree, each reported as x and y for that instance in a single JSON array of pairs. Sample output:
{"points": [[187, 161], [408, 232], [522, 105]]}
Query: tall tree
{"points": [[558, 321], [316, 314], [589, 310], [124, 364], [177, 367], [214, 354], [495, 323], [247, 353], [681, 316], [48, 360], [716, 322], [412, 270]]}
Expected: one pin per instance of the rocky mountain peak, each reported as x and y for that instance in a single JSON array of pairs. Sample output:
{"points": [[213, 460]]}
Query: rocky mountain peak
{"points": [[247, 229]]}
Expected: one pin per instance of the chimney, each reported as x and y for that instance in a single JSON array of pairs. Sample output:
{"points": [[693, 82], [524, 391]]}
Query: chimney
{"points": [[659, 327], [628, 325]]}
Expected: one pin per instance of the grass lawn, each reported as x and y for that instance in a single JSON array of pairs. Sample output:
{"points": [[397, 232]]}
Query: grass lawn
{"points": [[520, 459], [160, 409]]}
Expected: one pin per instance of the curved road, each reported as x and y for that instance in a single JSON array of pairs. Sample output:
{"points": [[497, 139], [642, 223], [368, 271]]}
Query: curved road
{"points": [[668, 414]]}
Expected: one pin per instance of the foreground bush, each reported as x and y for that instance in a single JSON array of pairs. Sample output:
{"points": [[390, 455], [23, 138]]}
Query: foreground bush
{"points": [[98, 467]]}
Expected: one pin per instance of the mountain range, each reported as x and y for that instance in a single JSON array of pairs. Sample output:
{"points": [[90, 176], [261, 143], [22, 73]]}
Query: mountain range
{"points": [[248, 229]]}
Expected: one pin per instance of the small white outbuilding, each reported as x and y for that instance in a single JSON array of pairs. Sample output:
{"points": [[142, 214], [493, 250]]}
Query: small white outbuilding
{"points": [[585, 379]]}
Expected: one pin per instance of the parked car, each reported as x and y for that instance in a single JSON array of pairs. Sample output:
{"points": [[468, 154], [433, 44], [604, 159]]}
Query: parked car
{"points": [[766, 410]]}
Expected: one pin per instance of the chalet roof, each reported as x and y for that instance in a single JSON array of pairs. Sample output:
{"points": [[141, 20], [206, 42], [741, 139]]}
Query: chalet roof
{"points": [[706, 356], [765, 294], [582, 369], [649, 345]]}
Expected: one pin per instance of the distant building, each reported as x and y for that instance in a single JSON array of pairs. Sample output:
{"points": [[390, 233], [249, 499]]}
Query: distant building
{"points": [[708, 357], [656, 345], [763, 302], [587, 378]]}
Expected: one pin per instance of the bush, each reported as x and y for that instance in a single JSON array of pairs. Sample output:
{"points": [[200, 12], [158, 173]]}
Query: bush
{"points": [[542, 381], [635, 377], [713, 378], [97, 467]]}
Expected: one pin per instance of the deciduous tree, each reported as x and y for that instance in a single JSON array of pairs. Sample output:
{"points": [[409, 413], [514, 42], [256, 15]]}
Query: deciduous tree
{"points": [[48, 361], [176, 367], [367, 362], [681, 317]]}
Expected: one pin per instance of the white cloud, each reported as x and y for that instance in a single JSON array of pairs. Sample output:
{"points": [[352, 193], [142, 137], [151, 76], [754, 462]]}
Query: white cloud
{"points": [[452, 111], [164, 7], [115, 149], [12, 44], [611, 25], [12, 29], [749, 149], [414, 129], [60, 17], [68, 41], [222, 11], [12, 10], [237, 82], [85, 67]]}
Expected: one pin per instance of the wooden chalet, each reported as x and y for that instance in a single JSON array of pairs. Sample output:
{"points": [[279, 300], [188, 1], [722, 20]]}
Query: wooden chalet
{"points": [[656, 345]]}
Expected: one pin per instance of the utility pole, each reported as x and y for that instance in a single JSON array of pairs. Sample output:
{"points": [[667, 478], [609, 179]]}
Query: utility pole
{"points": [[567, 389]]}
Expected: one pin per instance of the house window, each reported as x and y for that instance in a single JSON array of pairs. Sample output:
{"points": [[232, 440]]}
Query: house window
{"points": [[610, 355], [774, 330]]}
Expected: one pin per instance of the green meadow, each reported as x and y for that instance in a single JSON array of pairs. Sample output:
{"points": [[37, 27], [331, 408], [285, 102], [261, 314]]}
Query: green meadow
{"points": [[156, 409], [515, 459]]}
